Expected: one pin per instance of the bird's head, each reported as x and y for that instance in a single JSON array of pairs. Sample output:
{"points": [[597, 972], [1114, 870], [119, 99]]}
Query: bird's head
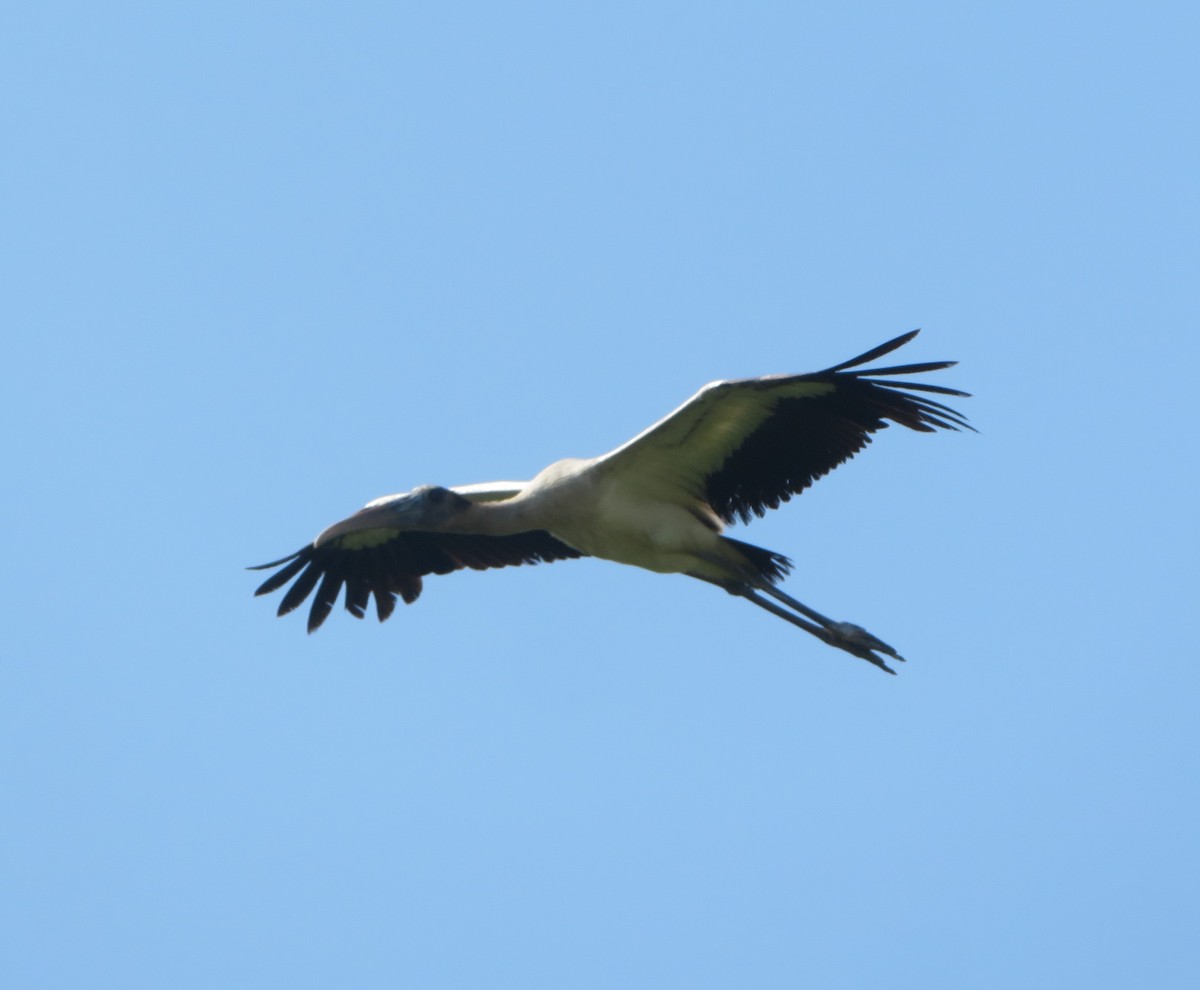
{"points": [[428, 509]]}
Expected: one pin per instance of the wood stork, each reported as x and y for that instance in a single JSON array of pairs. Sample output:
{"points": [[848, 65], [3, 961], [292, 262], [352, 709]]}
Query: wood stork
{"points": [[659, 501]]}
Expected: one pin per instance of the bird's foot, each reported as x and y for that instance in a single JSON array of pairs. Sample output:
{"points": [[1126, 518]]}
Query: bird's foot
{"points": [[856, 640]]}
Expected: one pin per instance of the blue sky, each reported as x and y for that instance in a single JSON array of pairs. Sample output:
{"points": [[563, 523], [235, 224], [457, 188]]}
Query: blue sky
{"points": [[265, 262]]}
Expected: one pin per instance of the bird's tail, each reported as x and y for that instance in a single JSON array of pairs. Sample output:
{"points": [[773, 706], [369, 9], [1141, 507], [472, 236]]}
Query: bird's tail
{"points": [[769, 565]]}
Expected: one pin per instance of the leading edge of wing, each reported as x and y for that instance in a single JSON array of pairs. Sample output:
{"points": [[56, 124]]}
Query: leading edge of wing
{"points": [[745, 445]]}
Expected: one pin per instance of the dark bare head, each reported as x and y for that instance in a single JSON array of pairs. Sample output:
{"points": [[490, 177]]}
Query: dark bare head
{"points": [[427, 509]]}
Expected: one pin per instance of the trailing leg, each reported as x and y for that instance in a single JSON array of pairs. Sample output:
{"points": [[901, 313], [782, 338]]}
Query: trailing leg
{"points": [[750, 572], [844, 635]]}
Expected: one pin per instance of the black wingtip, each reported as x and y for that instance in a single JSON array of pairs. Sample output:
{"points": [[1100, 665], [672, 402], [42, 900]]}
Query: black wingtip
{"points": [[281, 560], [910, 369], [282, 577], [875, 352]]}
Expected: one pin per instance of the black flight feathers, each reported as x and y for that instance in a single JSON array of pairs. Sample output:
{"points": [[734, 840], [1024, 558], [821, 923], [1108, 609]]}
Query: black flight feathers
{"points": [[396, 568], [804, 439]]}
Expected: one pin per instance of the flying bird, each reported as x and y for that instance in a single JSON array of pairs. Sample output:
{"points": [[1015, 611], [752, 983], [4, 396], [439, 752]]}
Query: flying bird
{"points": [[659, 501]]}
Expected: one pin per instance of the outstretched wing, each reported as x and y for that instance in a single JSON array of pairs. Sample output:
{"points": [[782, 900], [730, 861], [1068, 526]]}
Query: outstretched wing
{"points": [[390, 562], [745, 446]]}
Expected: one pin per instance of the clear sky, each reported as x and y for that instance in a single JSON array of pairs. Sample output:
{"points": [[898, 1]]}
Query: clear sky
{"points": [[266, 261]]}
